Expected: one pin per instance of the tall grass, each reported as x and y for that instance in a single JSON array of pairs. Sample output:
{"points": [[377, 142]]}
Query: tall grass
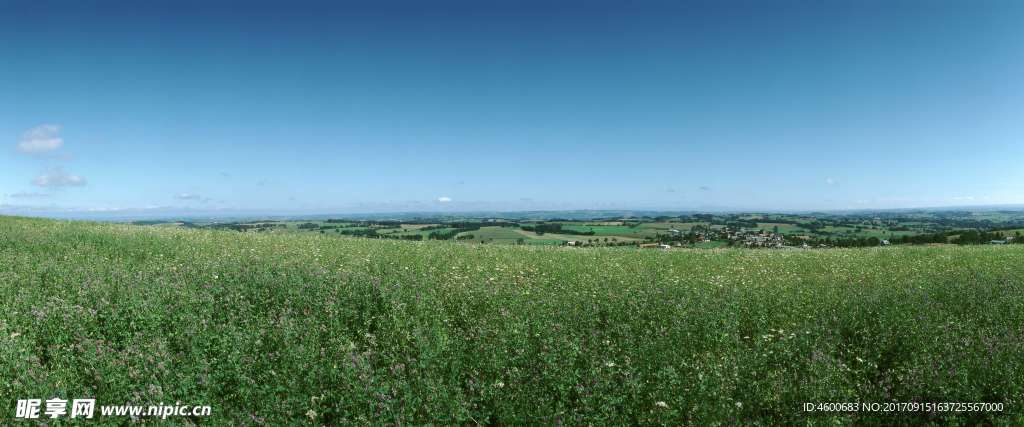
{"points": [[281, 329]]}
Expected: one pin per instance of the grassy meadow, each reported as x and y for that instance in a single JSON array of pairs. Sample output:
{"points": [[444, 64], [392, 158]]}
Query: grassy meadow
{"points": [[281, 329]]}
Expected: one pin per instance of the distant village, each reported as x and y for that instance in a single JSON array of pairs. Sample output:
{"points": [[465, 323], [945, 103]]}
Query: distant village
{"points": [[739, 237], [734, 236]]}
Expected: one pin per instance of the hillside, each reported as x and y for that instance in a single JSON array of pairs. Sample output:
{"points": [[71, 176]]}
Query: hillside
{"points": [[270, 328], [752, 230]]}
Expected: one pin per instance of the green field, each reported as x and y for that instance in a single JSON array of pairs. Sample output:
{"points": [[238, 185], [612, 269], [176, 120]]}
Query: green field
{"points": [[709, 245], [573, 237], [782, 228], [610, 230], [665, 226], [1013, 232], [287, 328], [503, 235]]}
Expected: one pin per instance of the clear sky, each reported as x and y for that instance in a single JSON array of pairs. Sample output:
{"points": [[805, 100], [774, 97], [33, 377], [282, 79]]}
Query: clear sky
{"points": [[510, 105]]}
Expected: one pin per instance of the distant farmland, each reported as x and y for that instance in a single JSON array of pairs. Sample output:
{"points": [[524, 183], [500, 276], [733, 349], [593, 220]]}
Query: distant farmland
{"points": [[269, 328], [817, 230]]}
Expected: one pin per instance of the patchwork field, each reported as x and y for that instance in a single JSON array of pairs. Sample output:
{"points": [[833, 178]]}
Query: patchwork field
{"points": [[616, 229], [612, 230], [504, 235], [278, 328]]}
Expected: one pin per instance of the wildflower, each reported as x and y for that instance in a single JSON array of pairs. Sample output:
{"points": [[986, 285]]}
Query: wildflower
{"points": [[311, 414], [661, 404], [609, 364]]}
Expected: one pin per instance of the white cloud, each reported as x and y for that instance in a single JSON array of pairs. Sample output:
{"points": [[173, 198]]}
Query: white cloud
{"points": [[830, 181], [40, 140], [58, 178], [444, 199]]}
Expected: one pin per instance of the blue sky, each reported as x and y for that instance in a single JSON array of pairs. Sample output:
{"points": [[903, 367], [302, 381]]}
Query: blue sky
{"points": [[510, 105]]}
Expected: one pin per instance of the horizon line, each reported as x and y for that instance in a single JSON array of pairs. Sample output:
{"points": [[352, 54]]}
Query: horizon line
{"points": [[186, 213]]}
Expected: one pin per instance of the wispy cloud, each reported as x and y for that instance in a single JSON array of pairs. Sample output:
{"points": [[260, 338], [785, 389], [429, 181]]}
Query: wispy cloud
{"points": [[192, 197], [41, 139], [830, 181], [29, 195], [444, 199], [58, 178]]}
